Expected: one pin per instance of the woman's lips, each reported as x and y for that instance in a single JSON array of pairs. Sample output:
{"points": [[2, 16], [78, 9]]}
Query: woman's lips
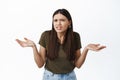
{"points": [[59, 28]]}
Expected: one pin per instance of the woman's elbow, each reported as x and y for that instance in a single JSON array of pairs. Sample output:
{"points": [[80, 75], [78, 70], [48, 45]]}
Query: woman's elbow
{"points": [[40, 66], [78, 66]]}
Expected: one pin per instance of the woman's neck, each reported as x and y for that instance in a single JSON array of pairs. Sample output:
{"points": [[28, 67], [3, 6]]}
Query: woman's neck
{"points": [[61, 37]]}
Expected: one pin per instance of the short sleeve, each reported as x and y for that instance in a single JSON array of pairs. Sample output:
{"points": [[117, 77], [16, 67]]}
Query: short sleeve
{"points": [[78, 44], [42, 41]]}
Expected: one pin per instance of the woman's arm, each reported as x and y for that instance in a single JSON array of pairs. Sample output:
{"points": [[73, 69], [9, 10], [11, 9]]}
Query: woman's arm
{"points": [[39, 56], [80, 58]]}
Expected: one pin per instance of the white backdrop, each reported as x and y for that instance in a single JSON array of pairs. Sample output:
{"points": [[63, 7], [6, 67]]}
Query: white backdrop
{"points": [[97, 21]]}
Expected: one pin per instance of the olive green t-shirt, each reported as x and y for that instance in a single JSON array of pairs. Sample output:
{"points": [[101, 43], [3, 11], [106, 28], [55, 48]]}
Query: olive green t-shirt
{"points": [[61, 64]]}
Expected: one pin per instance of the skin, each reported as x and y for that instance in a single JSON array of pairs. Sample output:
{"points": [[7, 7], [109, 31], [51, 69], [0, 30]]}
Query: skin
{"points": [[61, 24]]}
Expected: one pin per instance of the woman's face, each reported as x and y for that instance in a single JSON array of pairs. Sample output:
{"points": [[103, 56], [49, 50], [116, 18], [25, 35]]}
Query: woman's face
{"points": [[61, 23]]}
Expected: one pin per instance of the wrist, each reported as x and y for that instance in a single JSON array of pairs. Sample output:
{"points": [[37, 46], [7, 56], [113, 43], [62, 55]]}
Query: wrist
{"points": [[86, 48], [33, 45]]}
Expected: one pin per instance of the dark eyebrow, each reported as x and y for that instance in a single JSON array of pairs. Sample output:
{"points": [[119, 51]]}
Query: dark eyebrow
{"points": [[54, 19]]}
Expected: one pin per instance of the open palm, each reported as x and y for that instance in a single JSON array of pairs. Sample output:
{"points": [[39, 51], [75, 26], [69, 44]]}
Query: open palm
{"points": [[26, 43], [95, 47]]}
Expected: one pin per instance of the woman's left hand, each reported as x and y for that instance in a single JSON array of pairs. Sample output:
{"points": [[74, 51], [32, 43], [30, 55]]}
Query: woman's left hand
{"points": [[95, 47]]}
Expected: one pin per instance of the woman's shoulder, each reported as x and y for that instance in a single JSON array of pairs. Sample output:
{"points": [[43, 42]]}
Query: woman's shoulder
{"points": [[75, 33], [47, 32]]}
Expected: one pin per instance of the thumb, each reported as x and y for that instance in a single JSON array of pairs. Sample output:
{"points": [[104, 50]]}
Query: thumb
{"points": [[25, 38]]}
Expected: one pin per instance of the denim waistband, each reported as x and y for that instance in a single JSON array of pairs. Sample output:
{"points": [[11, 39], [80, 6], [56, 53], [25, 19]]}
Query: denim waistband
{"points": [[48, 75]]}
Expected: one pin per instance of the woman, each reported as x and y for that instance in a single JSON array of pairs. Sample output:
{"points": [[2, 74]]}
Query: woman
{"points": [[60, 48]]}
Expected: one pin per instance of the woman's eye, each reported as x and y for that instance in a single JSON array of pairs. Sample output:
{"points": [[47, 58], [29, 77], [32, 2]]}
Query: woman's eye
{"points": [[62, 19], [55, 20]]}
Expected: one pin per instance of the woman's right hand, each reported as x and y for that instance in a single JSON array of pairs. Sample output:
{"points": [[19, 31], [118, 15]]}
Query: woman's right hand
{"points": [[26, 43]]}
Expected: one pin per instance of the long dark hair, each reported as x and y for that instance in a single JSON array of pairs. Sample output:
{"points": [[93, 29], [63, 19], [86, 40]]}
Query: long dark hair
{"points": [[68, 44]]}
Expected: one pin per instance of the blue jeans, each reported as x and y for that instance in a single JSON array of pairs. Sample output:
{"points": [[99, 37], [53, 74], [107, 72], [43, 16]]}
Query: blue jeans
{"points": [[51, 76]]}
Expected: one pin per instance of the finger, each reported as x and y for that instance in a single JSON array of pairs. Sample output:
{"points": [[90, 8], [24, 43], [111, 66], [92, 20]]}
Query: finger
{"points": [[101, 47], [18, 40], [25, 38], [97, 44]]}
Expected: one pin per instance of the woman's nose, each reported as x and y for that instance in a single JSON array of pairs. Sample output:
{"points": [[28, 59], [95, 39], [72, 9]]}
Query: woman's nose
{"points": [[59, 22]]}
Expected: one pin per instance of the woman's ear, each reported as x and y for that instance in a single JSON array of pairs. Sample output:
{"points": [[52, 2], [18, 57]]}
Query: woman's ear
{"points": [[69, 23]]}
